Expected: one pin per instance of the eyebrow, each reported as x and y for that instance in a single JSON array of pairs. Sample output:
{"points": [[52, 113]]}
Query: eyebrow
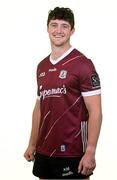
{"points": [[64, 24]]}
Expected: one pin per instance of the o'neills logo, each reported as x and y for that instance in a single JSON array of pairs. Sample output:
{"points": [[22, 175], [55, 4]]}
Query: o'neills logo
{"points": [[53, 92]]}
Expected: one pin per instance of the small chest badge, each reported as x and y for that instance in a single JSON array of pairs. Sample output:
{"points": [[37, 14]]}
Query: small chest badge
{"points": [[63, 148], [63, 74]]}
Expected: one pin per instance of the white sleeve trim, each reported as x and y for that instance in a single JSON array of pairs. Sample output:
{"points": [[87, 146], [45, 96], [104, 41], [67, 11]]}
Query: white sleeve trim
{"points": [[91, 93]]}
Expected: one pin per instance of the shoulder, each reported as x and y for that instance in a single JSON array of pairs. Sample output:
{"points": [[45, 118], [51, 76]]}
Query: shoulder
{"points": [[43, 62], [86, 64], [83, 63]]}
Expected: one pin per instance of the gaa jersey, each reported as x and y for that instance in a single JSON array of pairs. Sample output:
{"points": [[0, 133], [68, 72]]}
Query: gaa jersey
{"points": [[62, 84]]}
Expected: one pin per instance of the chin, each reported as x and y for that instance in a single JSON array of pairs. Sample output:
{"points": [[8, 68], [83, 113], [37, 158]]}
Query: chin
{"points": [[58, 43]]}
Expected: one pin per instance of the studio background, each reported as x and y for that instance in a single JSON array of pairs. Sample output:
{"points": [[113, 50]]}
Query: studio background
{"points": [[23, 44]]}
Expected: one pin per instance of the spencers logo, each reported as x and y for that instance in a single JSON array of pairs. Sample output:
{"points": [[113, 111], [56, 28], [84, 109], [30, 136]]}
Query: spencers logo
{"points": [[52, 92]]}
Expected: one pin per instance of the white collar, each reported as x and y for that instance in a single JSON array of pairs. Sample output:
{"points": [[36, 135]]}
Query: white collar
{"points": [[61, 57]]}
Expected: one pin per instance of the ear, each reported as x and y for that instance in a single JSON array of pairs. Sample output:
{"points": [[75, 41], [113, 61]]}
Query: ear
{"points": [[72, 31]]}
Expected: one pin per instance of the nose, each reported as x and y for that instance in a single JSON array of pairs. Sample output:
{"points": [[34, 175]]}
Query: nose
{"points": [[59, 29]]}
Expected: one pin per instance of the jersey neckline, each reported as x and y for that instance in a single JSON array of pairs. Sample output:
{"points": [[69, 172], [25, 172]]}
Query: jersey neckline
{"points": [[61, 57]]}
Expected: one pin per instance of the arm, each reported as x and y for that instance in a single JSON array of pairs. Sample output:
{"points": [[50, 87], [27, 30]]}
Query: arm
{"points": [[29, 154], [93, 104]]}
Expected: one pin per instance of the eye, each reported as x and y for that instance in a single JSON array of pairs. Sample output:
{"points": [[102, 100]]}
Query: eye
{"points": [[65, 26], [53, 25]]}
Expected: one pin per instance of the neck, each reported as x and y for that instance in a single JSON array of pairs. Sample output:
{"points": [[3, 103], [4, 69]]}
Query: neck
{"points": [[58, 51]]}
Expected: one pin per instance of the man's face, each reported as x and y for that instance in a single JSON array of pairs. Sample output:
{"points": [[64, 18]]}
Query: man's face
{"points": [[59, 32]]}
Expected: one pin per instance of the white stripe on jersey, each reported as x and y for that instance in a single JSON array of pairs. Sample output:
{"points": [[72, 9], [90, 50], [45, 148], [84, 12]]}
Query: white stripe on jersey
{"points": [[62, 116], [71, 59], [44, 120], [52, 153]]}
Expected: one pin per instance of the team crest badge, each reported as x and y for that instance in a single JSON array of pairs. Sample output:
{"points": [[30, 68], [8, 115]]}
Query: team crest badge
{"points": [[63, 74]]}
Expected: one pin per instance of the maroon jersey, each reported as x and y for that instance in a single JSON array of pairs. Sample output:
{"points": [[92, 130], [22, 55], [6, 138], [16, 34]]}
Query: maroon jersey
{"points": [[64, 117]]}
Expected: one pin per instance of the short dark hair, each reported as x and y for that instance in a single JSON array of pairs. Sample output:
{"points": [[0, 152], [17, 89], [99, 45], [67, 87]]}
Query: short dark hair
{"points": [[61, 14]]}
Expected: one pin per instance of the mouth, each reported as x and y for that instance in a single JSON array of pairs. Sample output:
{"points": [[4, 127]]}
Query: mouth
{"points": [[58, 37]]}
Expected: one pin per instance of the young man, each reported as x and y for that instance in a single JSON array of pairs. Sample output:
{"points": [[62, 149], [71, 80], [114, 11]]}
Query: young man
{"points": [[67, 116]]}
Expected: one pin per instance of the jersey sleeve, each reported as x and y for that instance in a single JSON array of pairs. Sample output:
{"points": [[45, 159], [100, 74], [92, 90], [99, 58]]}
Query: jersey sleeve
{"points": [[38, 86], [89, 80]]}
